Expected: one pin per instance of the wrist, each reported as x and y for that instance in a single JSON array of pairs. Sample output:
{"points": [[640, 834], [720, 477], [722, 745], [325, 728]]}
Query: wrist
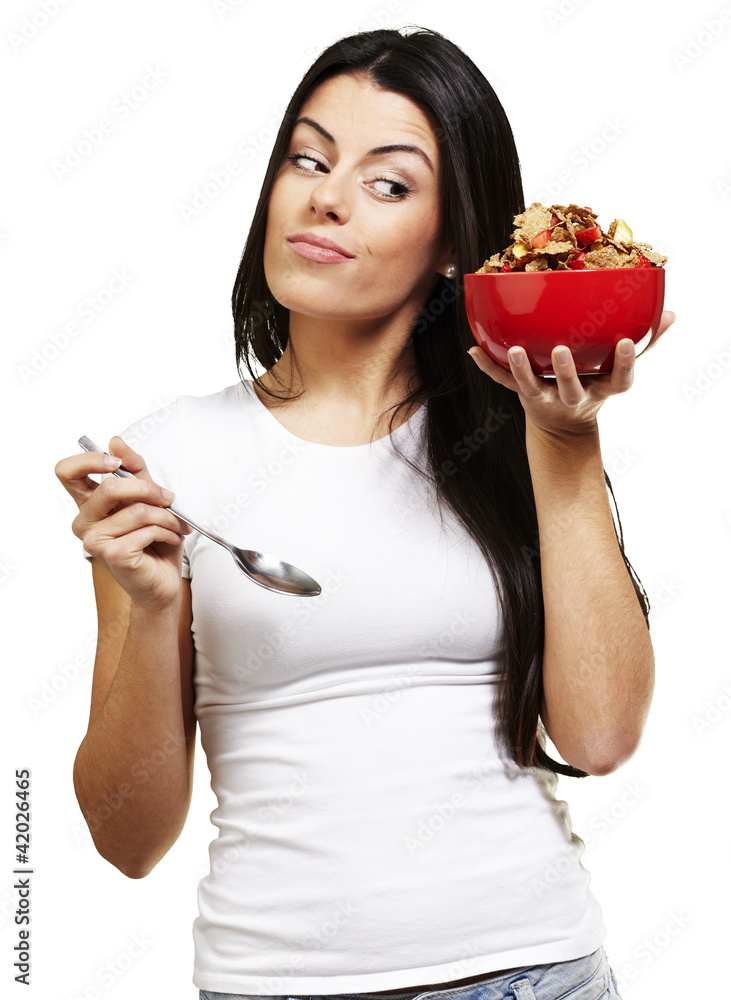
{"points": [[570, 466], [156, 611], [585, 437]]}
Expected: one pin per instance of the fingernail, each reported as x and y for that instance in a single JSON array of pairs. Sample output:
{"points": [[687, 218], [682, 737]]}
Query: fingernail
{"points": [[562, 355], [112, 462], [516, 356], [167, 495], [625, 348]]}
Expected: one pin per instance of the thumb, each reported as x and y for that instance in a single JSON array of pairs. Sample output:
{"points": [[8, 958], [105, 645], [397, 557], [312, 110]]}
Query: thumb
{"points": [[130, 459]]}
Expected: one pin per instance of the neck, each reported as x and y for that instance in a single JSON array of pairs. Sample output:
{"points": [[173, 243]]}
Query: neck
{"points": [[357, 370]]}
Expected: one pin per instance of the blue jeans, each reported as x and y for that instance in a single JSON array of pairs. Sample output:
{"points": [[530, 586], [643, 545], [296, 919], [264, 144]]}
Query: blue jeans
{"points": [[588, 978]]}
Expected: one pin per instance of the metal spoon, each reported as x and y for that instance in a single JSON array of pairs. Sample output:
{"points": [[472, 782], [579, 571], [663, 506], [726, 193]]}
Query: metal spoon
{"points": [[267, 571]]}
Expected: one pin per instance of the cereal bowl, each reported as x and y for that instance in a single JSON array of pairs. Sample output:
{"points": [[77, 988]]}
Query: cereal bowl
{"points": [[588, 311]]}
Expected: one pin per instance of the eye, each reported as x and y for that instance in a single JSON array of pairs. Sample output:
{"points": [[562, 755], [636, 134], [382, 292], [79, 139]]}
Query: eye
{"points": [[294, 159], [403, 191]]}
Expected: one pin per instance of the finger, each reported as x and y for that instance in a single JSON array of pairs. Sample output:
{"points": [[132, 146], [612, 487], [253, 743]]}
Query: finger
{"points": [[138, 515], [496, 372], [570, 391], [131, 460], [125, 550], [135, 463], [528, 383], [666, 321], [114, 493], [623, 367], [74, 472]]}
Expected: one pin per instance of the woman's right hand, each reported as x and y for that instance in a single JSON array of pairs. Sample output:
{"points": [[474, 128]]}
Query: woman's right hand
{"points": [[124, 524]]}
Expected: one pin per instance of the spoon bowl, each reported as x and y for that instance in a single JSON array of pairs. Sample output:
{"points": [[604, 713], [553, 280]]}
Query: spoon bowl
{"points": [[268, 570]]}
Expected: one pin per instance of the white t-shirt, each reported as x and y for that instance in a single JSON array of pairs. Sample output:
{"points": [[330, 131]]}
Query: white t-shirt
{"points": [[370, 837]]}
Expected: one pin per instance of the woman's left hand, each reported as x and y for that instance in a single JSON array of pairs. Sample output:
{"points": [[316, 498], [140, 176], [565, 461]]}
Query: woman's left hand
{"points": [[569, 405]]}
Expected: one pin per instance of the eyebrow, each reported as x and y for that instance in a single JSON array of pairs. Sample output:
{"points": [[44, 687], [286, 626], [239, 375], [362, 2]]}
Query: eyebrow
{"points": [[396, 147]]}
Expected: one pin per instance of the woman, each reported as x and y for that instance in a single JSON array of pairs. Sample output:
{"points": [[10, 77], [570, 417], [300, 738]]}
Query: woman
{"points": [[386, 809]]}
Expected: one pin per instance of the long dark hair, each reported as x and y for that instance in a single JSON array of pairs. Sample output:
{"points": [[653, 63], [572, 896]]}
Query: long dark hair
{"points": [[488, 489]]}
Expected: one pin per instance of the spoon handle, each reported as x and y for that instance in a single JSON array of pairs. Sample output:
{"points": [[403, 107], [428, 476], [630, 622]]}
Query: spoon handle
{"points": [[88, 445]]}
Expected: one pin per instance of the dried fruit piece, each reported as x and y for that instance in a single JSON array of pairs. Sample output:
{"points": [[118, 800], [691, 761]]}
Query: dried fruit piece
{"points": [[541, 239], [620, 231], [588, 235], [576, 263]]}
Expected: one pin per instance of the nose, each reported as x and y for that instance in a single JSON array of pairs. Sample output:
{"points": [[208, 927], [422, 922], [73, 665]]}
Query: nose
{"points": [[329, 200]]}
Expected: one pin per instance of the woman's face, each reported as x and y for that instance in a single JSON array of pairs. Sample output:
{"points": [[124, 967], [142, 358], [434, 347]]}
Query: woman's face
{"points": [[380, 205]]}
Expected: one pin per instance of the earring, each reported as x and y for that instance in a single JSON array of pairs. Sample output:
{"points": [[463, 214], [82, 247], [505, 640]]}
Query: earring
{"points": [[450, 270]]}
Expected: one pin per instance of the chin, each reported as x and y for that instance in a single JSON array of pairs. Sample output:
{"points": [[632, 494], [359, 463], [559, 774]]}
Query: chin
{"points": [[321, 298], [333, 311], [320, 292]]}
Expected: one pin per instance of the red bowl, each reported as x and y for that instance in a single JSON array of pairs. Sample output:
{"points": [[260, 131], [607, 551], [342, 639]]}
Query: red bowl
{"points": [[587, 311]]}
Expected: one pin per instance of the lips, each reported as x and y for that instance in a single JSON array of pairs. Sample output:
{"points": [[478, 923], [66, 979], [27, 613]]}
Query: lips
{"points": [[319, 241]]}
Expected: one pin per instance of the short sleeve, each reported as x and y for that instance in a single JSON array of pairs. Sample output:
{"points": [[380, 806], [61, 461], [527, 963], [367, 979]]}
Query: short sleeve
{"points": [[157, 438]]}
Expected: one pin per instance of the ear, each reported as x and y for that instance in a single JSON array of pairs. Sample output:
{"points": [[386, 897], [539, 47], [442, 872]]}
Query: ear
{"points": [[448, 264]]}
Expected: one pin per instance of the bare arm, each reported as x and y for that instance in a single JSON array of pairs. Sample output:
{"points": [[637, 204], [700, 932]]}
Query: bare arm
{"points": [[134, 768], [598, 662]]}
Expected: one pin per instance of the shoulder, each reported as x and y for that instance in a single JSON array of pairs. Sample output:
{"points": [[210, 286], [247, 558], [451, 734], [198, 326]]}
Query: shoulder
{"points": [[171, 417], [171, 435]]}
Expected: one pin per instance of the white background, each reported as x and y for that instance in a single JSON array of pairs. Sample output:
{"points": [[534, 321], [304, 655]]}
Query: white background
{"points": [[655, 831]]}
